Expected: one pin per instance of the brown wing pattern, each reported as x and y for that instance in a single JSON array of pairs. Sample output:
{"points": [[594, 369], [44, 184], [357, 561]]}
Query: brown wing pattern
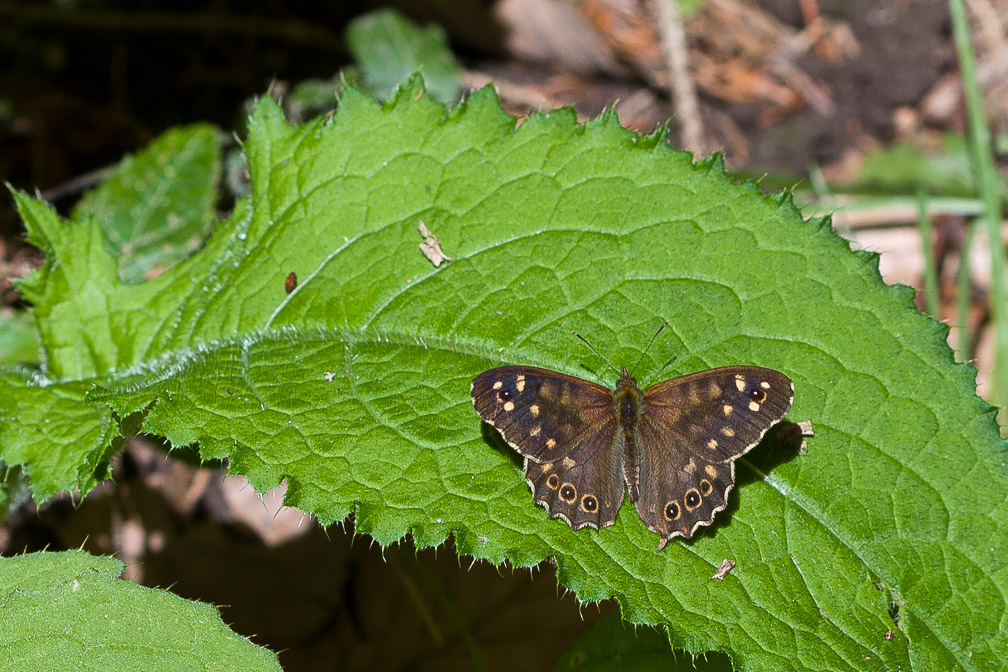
{"points": [[586, 486], [542, 414], [567, 430], [692, 430]]}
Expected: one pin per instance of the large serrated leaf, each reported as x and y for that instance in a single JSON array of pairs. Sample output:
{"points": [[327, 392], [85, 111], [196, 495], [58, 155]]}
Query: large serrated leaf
{"points": [[69, 611], [354, 387]]}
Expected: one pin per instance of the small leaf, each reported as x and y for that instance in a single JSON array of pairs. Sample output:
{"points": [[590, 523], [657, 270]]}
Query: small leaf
{"points": [[905, 167], [69, 611], [389, 48], [158, 207]]}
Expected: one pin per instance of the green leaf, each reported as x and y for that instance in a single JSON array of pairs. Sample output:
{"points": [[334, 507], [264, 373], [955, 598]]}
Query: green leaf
{"points": [[354, 387], [19, 343], [62, 441], [69, 611], [150, 222], [89, 321], [389, 48]]}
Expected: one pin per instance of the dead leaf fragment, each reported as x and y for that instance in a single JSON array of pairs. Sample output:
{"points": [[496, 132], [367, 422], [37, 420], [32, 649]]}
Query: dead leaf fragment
{"points": [[726, 566], [431, 246]]}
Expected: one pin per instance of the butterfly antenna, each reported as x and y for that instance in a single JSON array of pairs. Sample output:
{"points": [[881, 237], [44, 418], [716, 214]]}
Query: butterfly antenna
{"points": [[585, 341], [664, 324]]}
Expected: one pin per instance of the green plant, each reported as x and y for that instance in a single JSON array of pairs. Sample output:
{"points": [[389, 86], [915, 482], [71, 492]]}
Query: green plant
{"points": [[354, 387], [69, 611]]}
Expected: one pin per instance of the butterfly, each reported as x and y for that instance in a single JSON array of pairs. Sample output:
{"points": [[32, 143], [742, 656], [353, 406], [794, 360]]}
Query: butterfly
{"points": [[672, 446]]}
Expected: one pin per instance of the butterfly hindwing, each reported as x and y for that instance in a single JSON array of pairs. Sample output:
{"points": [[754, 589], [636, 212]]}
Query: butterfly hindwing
{"points": [[683, 500], [679, 491], [692, 430], [584, 487], [542, 414]]}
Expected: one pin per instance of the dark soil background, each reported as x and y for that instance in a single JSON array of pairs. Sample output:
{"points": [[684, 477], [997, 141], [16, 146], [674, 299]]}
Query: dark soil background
{"points": [[82, 84]]}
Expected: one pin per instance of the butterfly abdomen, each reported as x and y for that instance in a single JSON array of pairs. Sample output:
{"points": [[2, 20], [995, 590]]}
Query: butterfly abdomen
{"points": [[628, 404]]}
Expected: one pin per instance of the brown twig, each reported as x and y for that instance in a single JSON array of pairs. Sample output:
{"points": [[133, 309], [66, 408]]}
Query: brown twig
{"points": [[684, 96]]}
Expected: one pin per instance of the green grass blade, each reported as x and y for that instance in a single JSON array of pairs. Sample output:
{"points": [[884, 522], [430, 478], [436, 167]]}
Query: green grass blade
{"points": [[964, 296], [988, 180], [932, 295]]}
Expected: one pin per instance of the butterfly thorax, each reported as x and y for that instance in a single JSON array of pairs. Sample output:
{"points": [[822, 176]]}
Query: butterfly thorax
{"points": [[628, 400]]}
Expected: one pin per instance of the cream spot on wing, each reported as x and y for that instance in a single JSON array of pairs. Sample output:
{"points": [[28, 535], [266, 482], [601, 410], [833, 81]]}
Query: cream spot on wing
{"points": [[550, 443], [498, 385], [520, 383], [509, 406], [728, 431], [765, 385], [754, 407], [535, 430], [740, 382], [546, 466], [714, 390], [568, 462], [711, 471], [727, 410], [690, 467], [712, 444], [534, 409]]}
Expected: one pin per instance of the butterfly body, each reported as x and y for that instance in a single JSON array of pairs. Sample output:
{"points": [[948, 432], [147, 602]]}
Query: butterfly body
{"points": [[672, 446], [628, 400]]}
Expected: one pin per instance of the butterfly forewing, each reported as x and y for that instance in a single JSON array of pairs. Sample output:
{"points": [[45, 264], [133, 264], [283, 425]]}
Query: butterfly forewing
{"points": [[542, 414], [567, 431], [692, 430]]}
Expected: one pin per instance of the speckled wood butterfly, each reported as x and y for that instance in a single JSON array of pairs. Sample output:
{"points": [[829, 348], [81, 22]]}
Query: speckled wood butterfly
{"points": [[673, 444]]}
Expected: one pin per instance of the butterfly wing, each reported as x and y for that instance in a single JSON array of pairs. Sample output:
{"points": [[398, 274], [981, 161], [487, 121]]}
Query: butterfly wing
{"points": [[542, 414], [692, 430], [586, 486], [567, 430]]}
